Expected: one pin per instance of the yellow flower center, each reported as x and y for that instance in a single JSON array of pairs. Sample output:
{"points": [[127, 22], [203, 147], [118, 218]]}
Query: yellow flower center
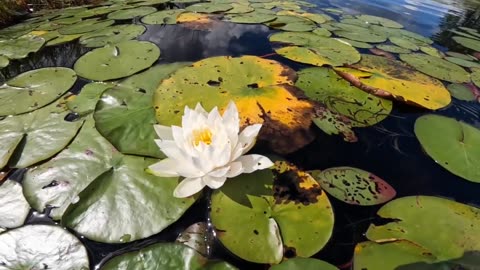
{"points": [[202, 135]]}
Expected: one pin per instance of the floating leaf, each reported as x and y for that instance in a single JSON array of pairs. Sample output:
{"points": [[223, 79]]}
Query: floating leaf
{"points": [[432, 51], [84, 103], [67, 21], [461, 56], [275, 211], [40, 246], [125, 115], [209, 7], [251, 18], [334, 124], [112, 35], [436, 67], [30, 138], [469, 43], [404, 43], [380, 52], [358, 33], [303, 264], [455, 230], [61, 39], [354, 186], [247, 80], [292, 23], [322, 32], [117, 61], [4, 61], [239, 9], [452, 144], [20, 47], [163, 17], [461, 92], [325, 86], [131, 13], [14, 209], [34, 89], [356, 44], [373, 256], [462, 62], [379, 20], [196, 237], [315, 50], [393, 49], [85, 27], [475, 75], [165, 256], [384, 77]]}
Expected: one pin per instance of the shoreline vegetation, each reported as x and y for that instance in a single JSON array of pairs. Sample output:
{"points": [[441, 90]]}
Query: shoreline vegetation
{"points": [[10, 9]]}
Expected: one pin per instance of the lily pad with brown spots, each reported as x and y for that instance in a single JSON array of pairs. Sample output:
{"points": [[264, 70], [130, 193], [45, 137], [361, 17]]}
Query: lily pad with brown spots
{"points": [[334, 124]]}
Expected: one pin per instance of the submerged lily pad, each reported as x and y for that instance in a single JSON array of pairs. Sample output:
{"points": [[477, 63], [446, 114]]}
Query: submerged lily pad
{"points": [[20, 47], [325, 86], [131, 13], [125, 116], [14, 208], [163, 17], [436, 67], [117, 61], [247, 80], [30, 138], [273, 211], [384, 77], [37, 246], [303, 264], [313, 49], [452, 144], [455, 231], [354, 186], [34, 89], [112, 35], [469, 43], [84, 103]]}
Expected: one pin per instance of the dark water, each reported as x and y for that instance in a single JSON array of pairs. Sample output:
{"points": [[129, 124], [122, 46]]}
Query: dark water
{"points": [[389, 149]]}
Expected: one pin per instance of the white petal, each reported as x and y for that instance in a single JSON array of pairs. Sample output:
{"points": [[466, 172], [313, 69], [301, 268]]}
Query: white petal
{"points": [[199, 109], [170, 149], [163, 132], [164, 168], [246, 140], [231, 119], [188, 187], [220, 172], [251, 163], [214, 182], [236, 169]]}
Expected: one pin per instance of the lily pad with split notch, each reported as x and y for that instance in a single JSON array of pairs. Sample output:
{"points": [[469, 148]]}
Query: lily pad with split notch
{"points": [[84, 103]]}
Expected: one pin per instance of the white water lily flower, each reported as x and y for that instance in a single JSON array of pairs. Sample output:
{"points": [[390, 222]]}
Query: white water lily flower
{"points": [[207, 149]]}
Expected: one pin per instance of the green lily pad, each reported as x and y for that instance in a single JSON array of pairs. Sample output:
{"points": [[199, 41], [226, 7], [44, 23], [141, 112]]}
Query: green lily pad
{"points": [[239, 9], [469, 43], [209, 7], [431, 51], [117, 61], [16, 30], [85, 27], [292, 23], [33, 137], [4, 61], [246, 80], [61, 39], [303, 264], [404, 43], [475, 75], [461, 92], [49, 26], [40, 246], [461, 56], [197, 237], [163, 17], [436, 67], [67, 21], [412, 37], [462, 62], [125, 116], [14, 208], [379, 20], [273, 211], [390, 78], [131, 13], [363, 36], [112, 35], [334, 124], [354, 186], [464, 34], [251, 18], [84, 103], [165, 256], [322, 32], [356, 44], [452, 144], [393, 49], [20, 47], [455, 231], [325, 86], [373, 256], [34, 89], [315, 50]]}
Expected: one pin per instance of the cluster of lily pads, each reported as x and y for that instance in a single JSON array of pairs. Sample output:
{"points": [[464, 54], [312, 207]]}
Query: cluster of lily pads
{"points": [[89, 174]]}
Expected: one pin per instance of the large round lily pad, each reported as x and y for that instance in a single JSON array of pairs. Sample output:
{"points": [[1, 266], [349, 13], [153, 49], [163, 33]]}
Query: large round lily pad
{"points": [[168, 16], [125, 115], [391, 78], [469, 43], [30, 138], [325, 86], [34, 89], [14, 208], [455, 230], [41, 246], [261, 89], [452, 144], [112, 35], [20, 47], [275, 211], [303, 264], [117, 60], [436, 67], [131, 13], [313, 49]]}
